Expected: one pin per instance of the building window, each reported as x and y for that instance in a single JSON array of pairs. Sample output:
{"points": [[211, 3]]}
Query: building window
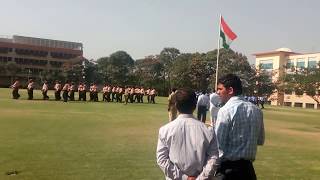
{"points": [[300, 63], [290, 64], [266, 64], [309, 105], [287, 104], [312, 62], [298, 104]]}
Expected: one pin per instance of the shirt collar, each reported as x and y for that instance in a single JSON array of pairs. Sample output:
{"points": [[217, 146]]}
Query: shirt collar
{"points": [[234, 98], [185, 116]]}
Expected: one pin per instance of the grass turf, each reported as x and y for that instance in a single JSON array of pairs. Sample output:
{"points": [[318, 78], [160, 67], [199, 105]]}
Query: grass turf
{"points": [[86, 140]]}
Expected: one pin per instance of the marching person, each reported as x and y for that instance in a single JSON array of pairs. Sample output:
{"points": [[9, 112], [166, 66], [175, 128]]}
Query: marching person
{"points": [[109, 89], [82, 92], [15, 89], [141, 94], [148, 94], [137, 94], [172, 105], [104, 92], [117, 94], [57, 90], [203, 105], [44, 90], [261, 100], [239, 130], [120, 93], [72, 89], [153, 95], [91, 92], [65, 90], [215, 103], [30, 88], [95, 92], [126, 94], [131, 94], [113, 93]]}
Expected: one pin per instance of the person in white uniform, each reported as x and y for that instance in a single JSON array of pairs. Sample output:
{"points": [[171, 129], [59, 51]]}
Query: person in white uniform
{"points": [[187, 148], [215, 103]]}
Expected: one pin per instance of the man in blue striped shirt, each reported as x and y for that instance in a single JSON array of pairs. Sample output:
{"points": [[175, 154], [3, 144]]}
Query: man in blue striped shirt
{"points": [[239, 130]]}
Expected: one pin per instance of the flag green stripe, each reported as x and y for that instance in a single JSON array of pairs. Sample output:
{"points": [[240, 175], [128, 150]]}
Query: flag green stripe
{"points": [[224, 41]]}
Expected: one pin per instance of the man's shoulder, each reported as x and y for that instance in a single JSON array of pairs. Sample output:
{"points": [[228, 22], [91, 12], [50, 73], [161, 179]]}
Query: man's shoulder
{"points": [[240, 102], [181, 121]]}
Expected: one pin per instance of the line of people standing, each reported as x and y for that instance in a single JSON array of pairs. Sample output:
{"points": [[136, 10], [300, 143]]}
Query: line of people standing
{"points": [[110, 93]]}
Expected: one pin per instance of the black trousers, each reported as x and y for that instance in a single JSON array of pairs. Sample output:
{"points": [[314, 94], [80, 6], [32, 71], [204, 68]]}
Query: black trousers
{"points": [[30, 94], [71, 96], [15, 93], [202, 112], [152, 99], [45, 96], [57, 95], [65, 96], [82, 96], [236, 170]]}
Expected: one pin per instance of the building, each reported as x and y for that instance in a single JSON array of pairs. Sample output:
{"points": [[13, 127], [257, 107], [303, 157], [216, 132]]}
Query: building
{"points": [[36, 55], [282, 61]]}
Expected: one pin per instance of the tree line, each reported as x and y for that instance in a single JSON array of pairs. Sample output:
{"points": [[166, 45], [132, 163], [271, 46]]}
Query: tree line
{"points": [[172, 68]]}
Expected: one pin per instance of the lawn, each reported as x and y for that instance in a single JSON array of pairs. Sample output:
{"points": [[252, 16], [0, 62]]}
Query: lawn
{"points": [[86, 140]]}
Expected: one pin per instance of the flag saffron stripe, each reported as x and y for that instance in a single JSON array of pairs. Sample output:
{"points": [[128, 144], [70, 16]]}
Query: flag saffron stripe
{"points": [[226, 29]]}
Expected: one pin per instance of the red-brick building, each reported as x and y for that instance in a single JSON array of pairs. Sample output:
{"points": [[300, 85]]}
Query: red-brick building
{"points": [[35, 55]]}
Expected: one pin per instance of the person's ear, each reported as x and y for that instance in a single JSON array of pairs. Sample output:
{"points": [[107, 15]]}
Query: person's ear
{"points": [[230, 91]]}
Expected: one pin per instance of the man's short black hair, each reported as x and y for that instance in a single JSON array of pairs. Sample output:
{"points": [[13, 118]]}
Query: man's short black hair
{"points": [[186, 101], [231, 80], [174, 89]]}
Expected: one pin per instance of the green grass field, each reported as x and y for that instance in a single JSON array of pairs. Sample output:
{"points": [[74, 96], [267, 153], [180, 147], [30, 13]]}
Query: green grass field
{"points": [[85, 140]]}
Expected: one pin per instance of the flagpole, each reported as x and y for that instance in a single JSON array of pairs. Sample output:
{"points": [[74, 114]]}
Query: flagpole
{"points": [[217, 67]]}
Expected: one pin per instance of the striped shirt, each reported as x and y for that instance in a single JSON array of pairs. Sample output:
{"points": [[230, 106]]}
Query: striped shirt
{"points": [[239, 129], [186, 147]]}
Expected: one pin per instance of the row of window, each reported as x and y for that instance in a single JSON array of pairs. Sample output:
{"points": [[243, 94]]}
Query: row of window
{"points": [[5, 59], [31, 52], [38, 53], [56, 64], [47, 42], [301, 63], [35, 62], [31, 61], [298, 104], [62, 55], [36, 71], [5, 50], [266, 64]]}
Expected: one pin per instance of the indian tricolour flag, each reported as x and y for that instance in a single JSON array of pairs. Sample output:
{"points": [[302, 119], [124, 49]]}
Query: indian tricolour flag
{"points": [[226, 34]]}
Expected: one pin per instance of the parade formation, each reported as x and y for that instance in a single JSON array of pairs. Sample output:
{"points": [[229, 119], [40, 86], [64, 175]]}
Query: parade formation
{"points": [[110, 93]]}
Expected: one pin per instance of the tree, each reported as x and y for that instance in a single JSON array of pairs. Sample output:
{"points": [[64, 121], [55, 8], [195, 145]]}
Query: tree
{"points": [[2, 68], [74, 74], [232, 62], [118, 67], [102, 67], [167, 58], [201, 72], [91, 73], [149, 73], [12, 69], [181, 71], [263, 83], [304, 80]]}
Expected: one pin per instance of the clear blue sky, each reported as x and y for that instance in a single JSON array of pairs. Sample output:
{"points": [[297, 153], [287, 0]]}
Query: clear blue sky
{"points": [[145, 27]]}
